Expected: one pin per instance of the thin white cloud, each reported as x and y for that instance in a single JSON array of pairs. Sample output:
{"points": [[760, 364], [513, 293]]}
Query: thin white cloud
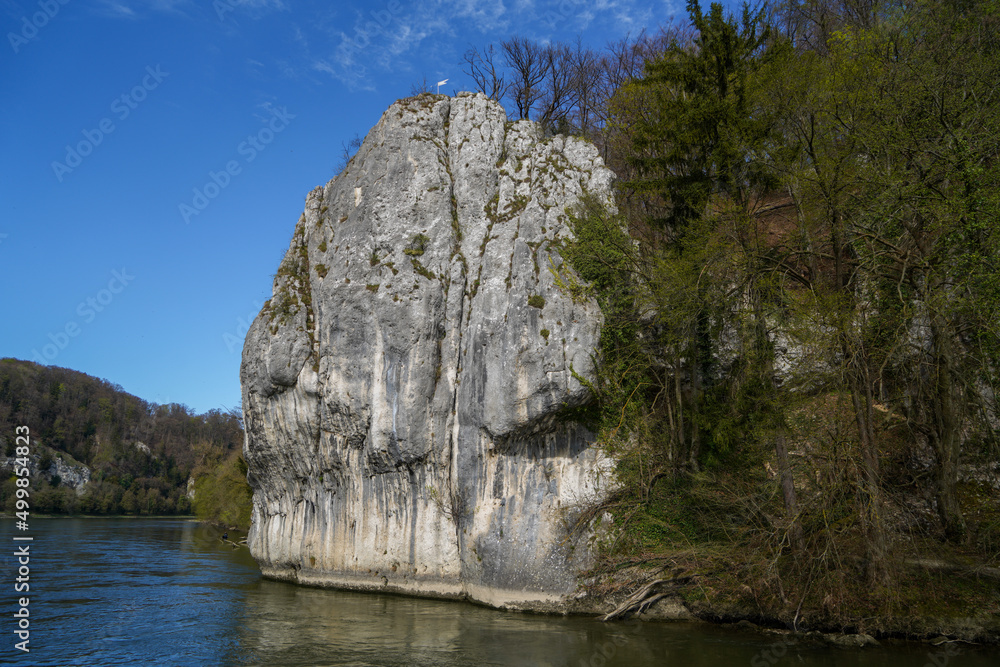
{"points": [[265, 4], [300, 37], [630, 17], [487, 16], [122, 10], [384, 37], [133, 9], [115, 10]]}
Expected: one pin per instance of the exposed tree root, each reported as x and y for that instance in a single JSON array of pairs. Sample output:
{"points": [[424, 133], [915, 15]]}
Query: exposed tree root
{"points": [[645, 597]]}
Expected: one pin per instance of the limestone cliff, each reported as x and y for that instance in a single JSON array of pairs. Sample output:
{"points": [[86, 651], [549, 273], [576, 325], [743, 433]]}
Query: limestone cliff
{"points": [[405, 389]]}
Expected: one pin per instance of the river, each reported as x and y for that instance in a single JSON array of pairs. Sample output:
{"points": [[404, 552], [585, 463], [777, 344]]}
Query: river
{"points": [[170, 592]]}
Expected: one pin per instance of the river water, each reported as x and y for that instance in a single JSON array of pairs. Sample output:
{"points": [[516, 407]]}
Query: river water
{"points": [[169, 592]]}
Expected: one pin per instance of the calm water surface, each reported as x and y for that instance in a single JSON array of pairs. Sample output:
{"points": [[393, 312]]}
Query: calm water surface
{"points": [[168, 592]]}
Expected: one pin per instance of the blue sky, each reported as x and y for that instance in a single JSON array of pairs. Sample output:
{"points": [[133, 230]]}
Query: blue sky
{"points": [[157, 154]]}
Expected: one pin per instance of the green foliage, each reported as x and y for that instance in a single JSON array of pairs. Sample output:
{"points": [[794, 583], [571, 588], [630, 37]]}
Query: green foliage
{"points": [[881, 269], [602, 255], [222, 494], [694, 141], [536, 301], [417, 246], [421, 269]]}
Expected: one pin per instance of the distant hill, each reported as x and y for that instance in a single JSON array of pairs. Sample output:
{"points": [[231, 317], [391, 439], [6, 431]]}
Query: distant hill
{"points": [[96, 449]]}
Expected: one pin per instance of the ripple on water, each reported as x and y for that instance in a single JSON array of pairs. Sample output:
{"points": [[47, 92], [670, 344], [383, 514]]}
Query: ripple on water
{"points": [[168, 592]]}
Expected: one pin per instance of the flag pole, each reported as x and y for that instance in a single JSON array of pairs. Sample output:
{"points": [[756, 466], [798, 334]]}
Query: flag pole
{"points": [[441, 83]]}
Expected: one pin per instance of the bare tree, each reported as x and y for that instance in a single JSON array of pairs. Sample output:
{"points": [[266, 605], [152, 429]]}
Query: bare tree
{"points": [[558, 96], [529, 67], [421, 87], [625, 60], [483, 69], [347, 151], [809, 24], [586, 73], [236, 412]]}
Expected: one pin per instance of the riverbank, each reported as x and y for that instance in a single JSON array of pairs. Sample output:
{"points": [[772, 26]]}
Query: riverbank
{"points": [[928, 602], [930, 605]]}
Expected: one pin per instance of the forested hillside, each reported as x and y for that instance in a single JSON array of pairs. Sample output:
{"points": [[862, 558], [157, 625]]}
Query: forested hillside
{"points": [[801, 287], [99, 450]]}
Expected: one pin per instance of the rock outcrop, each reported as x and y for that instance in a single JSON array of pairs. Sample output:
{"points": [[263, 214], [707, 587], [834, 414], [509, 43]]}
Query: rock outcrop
{"points": [[74, 475], [408, 389]]}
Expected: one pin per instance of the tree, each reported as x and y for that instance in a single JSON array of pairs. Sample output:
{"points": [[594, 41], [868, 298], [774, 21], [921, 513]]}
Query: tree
{"points": [[421, 87], [222, 494], [485, 72], [559, 91], [694, 147], [529, 64], [929, 229], [347, 151]]}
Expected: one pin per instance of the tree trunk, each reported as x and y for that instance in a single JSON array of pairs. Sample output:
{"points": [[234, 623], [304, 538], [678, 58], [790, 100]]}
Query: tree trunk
{"points": [[859, 380], [695, 443], [788, 493], [765, 349], [945, 431]]}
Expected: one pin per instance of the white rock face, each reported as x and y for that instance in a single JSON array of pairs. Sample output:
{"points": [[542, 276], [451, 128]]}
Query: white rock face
{"points": [[405, 388], [75, 476]]}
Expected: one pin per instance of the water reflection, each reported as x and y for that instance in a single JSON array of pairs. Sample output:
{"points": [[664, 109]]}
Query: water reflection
{"points": [[169, 592]]}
